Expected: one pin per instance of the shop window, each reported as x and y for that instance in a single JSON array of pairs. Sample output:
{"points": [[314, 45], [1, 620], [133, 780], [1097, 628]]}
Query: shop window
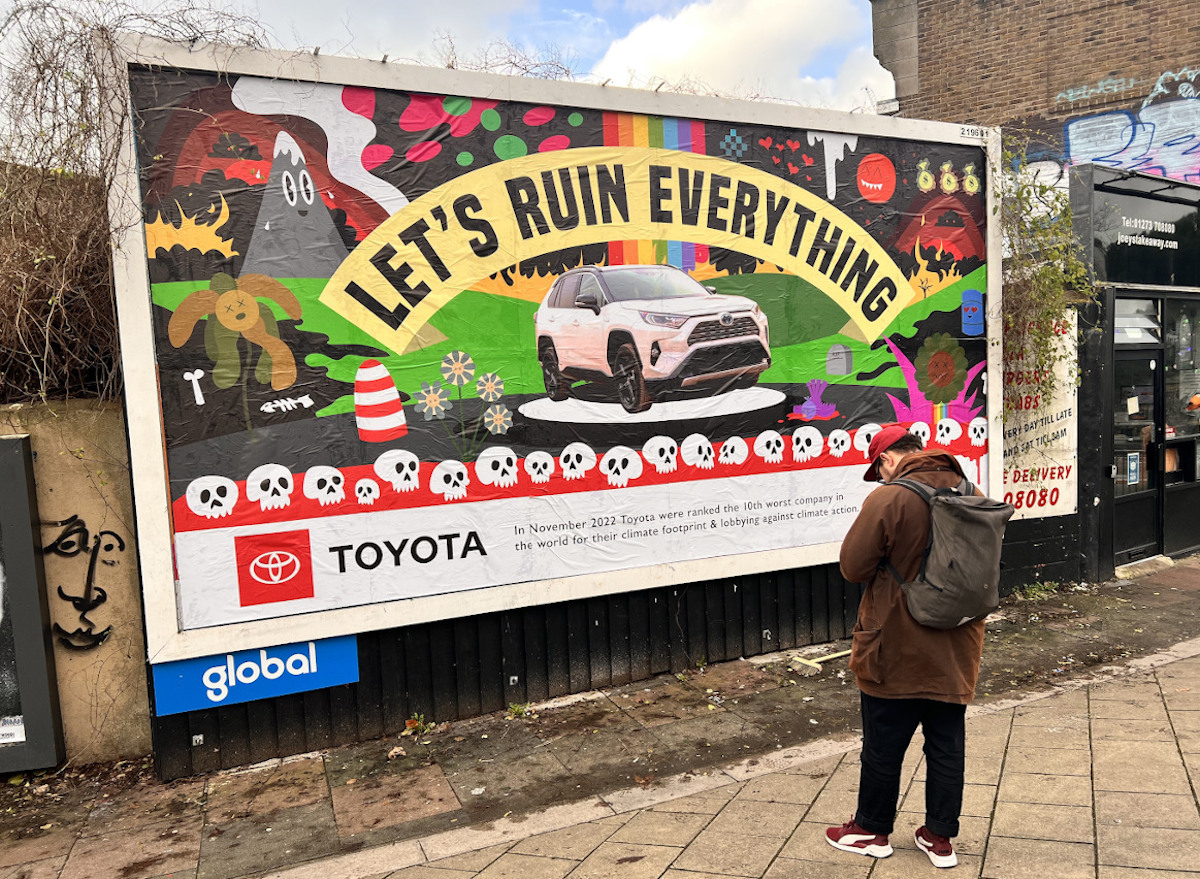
{"points": [[1181, 380], [1137, 322]]}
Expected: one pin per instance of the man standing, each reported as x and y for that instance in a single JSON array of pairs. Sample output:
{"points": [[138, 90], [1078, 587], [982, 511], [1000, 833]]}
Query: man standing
{"points": [[909, 674]]}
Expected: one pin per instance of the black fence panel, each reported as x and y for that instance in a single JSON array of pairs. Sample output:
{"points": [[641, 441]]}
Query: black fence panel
{"points": [[454, 669]]}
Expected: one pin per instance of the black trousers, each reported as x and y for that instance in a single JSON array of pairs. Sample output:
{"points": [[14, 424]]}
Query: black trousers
{"points": [[888, 727]]}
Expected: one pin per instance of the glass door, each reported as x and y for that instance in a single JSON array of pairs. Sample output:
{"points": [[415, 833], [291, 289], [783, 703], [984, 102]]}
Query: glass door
{"points": [[1137, 453]]}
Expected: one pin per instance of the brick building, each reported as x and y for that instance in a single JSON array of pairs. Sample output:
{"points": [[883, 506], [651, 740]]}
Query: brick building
{"points": [[1111, 80]]}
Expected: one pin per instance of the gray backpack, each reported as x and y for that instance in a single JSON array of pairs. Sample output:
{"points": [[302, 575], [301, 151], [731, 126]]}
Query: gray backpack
{"points": [[959, 580]]}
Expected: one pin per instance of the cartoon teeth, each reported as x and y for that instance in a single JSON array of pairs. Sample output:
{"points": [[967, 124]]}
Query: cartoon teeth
{"points": [[539, 466], [839, 443], [661, 451], [212, 497], [807, 443], [619, 465], [577, 460], [496, 466], [325, 485], [978, 431], [948, 430], [450, 480], [399, 468], [367, 492], [768, 445], [271, 486], [733, 451]]}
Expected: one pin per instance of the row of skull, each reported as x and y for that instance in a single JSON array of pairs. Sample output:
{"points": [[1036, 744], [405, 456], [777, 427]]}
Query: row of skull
{"points": [[272, 485]]}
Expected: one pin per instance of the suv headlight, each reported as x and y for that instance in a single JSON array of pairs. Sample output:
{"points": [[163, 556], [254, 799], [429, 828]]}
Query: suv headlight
{"points": [[674, 321]]}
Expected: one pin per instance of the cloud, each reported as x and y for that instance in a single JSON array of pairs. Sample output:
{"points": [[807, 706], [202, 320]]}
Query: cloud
{"points": [[754, 47]]}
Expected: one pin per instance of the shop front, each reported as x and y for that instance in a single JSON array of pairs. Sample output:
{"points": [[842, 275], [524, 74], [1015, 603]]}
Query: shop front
{"points": [[1142, 242]]}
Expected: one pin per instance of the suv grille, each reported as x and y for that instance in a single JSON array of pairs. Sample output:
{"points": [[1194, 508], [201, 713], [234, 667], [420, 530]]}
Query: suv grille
{"points": [[722, 357], [712, 331]]}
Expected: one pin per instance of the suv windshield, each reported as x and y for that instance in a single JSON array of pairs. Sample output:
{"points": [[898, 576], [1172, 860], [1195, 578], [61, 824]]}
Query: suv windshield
{"points": [[650, 282]]}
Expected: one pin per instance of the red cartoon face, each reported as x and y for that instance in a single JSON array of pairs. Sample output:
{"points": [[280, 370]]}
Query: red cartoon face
{"points": [[876, 178]]}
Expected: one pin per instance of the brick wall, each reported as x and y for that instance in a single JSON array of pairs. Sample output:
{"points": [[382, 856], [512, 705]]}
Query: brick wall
{"points": [[1000, 62]]}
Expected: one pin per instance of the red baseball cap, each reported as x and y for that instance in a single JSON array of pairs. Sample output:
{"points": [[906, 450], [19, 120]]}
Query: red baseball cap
{"points": [[1193, 403], [880, 443]]}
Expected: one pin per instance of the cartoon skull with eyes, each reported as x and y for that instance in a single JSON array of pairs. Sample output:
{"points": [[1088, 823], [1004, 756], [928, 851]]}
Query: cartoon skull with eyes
{"points": [[921, 430], [661, 451], [697, 451], [367, 492], [325, 485], [539, 466], [839, 443], [577, 460], [619, 465], [863, 437], [807, 443], [400, 469], [271, 485], [948, 430], [768, 445], [450, 480], [497, 466], [978, 431], [733, 451], [212, 496]]}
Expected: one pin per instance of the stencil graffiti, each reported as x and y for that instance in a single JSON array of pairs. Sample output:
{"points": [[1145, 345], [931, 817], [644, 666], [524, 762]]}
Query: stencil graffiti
{"points": [[73, 540]]}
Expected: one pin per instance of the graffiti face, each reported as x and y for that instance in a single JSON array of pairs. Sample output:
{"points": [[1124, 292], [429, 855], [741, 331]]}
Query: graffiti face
{"points": [[972, 313]]}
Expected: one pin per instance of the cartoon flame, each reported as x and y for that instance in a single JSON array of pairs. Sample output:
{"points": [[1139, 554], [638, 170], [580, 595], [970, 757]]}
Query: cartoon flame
{"points": [[190, 233], [926, 282]]}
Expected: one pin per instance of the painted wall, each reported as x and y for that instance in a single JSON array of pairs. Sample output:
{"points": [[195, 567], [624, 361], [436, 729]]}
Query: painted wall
{"points": [[82, 471]]}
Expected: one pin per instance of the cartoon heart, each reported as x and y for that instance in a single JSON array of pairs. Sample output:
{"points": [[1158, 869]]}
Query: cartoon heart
{"points": [[765, 143], [793, 145], [807, 158], [792, 169], [779, 147], [775, 159]]}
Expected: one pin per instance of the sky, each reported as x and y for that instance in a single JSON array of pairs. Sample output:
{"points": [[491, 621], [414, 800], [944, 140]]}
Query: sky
{"points": [[809, 52]]}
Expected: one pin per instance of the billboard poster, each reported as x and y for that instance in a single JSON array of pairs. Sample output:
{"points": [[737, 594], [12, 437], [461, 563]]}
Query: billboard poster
{"points": [[1041, 436], [416, 343], [12, 722]]}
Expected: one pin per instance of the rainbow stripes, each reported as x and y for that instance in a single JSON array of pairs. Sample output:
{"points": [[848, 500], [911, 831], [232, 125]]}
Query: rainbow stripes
{"points": [[629, 130]]}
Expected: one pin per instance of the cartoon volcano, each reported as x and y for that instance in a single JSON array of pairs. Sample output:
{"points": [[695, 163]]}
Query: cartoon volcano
{"points": [[294, 236]]}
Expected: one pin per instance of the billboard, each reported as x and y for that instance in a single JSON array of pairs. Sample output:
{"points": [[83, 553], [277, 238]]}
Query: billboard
{"points": [[429, 343]]}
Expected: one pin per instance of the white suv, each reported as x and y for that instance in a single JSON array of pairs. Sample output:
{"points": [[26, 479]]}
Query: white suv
{"points": [[650, 331]]}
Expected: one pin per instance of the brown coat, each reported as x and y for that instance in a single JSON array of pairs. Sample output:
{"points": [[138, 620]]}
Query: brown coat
{"points": [[893, 655]]}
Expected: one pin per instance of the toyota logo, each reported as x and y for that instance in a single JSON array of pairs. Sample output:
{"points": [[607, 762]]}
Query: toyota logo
{"points": [[726, 319], [272, 568]]}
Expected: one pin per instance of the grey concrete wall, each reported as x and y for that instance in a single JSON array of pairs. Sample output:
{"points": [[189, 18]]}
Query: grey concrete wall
{"points": [[81, 467]]}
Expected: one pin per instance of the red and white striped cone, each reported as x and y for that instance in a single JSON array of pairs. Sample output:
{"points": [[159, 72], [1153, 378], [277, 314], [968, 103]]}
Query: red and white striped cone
{"points": [[377, 406]]}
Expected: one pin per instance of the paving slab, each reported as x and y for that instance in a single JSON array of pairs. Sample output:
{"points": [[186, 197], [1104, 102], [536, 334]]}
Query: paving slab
{"points": [[146, 803], [387, 800], [730, 854], [1053, 761], [1118, 766], [1037, 859], [282, 785], [1040, 821], [754, 818], [1064, 790], [662, 828], [799, 790], [627, 860], [514, 866], [136, 853], [268, 841], [789, 868], [571, 842], [44, 869], [1147, 810]]}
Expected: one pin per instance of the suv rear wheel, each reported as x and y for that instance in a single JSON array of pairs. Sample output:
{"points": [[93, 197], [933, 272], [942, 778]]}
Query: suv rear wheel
{"points": [[631, 385], [557, 386]]}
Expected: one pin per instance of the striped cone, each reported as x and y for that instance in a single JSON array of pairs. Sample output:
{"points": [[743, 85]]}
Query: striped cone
{"points": [[377, 406]]}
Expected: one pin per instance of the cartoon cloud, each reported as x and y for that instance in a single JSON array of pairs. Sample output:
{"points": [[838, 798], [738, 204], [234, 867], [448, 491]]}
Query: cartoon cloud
{"points": [[294, 236]]}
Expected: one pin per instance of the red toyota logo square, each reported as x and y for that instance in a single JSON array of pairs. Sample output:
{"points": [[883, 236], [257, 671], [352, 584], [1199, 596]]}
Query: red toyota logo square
{"points": [[273, 567]]}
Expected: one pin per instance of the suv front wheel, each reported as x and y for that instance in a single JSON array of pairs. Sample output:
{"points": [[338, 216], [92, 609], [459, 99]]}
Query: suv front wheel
{"points": [[631, 385], [557, 386]]}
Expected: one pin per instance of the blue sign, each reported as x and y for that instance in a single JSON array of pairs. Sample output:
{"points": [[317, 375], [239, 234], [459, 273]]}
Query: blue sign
{"points": [[1133, 462], [212, 681]]}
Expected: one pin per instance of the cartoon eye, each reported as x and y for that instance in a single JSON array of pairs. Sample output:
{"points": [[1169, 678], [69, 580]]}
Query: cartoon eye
{"points": [[307, 189], [289, 188]]}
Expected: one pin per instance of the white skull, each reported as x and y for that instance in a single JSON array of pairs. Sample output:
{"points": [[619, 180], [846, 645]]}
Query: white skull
{"points": [[450, 480], [734, 451], [324, 484], [271, 485], [920, 429], [768, 445], [948, 430], [661, 451], [212, 496], [621, 464], [863, 437], [367, 492], [400, 469], [697, 451], [576, 460], [539, 465], [807, 443], [978, 431], [839, 443], [497, 466]]}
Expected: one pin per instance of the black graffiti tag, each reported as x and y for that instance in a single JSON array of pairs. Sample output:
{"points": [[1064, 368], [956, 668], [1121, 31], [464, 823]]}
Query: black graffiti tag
{"points": [[71, 541]]}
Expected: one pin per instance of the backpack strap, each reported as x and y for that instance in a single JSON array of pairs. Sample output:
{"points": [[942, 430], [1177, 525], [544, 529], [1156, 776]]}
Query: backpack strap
{"points": [[927, 493]]}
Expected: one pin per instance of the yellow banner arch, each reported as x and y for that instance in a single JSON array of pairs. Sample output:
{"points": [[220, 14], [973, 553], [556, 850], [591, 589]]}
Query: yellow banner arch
{"points": [[486, 220]]}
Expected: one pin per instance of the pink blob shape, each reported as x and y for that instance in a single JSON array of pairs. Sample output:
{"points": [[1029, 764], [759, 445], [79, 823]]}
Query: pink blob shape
{"points": [[555, 142], [359, 100], [539, 115], [375, 155], [425, 111], [423, 151]]}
